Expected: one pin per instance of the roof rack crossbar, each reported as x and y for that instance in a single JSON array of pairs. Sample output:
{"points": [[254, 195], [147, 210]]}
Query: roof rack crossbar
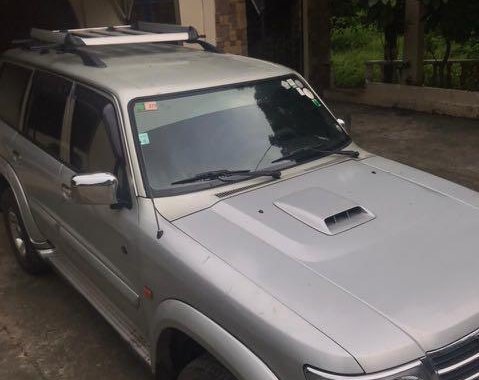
{"points": [[70, 41], [153, 27]]}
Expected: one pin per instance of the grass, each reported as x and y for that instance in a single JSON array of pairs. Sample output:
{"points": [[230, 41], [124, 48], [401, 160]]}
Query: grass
{"points": [[352, 46]]}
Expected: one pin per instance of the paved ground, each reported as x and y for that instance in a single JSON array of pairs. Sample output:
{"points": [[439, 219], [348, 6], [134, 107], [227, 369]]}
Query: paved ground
{"points": [[445, 146], [48, 331]]}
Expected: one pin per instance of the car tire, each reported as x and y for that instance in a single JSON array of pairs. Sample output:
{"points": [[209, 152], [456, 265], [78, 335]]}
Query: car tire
{"points": [[205, 367], [25, 253]]}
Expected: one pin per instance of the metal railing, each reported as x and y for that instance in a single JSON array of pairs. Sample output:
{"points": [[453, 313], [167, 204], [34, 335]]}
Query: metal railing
{"points": [[455, 73]]}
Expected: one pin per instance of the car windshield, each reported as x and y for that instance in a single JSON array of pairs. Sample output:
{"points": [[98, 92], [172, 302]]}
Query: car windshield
{"points": [[243, 127]]}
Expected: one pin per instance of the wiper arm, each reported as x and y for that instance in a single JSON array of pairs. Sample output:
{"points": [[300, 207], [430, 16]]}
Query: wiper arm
{"points": [[314, 150], [220, 174]]}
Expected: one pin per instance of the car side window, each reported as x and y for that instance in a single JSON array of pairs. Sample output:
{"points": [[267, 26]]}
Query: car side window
{"points": [[13, 83], [46, 109], [91, 149], [95, 142]]}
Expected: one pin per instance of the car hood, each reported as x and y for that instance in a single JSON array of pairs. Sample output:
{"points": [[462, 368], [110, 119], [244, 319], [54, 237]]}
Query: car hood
{"points": [[396, 279]]}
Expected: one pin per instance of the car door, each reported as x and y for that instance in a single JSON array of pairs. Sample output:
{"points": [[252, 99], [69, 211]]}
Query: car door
{"points": [[37, 149], [102, 239], [14, 81]]}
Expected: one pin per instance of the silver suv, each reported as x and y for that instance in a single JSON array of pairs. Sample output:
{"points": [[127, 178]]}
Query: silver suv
{"points": [[221, 219]]}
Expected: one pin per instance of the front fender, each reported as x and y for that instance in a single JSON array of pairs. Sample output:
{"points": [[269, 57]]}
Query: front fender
{"points": [[218, 342], [36, 237]]}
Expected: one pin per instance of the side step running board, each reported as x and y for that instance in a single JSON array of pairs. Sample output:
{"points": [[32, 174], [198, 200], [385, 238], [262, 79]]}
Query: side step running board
{"points": [[106, 308]]}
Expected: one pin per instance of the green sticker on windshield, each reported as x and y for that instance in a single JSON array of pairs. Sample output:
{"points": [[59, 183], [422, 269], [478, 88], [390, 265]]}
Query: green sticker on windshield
{"points": [[139, 107], [144, 138], [316, 102]]}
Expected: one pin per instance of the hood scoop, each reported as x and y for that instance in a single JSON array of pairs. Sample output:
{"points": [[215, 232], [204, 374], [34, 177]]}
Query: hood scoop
{"points": [[324, 211]]}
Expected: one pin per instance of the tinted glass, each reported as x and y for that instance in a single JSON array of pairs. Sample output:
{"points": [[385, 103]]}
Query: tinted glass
{"points": [[13, 83], [242, 128], [47, 102], [90, 148]]}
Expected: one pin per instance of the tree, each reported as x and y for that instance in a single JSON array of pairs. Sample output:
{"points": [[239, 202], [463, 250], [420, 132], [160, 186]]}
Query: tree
{"points": [[455, 20], [387, 15]]}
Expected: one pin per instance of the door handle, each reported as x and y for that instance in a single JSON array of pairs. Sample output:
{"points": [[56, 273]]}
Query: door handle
{"points": [[66, 192], [16, 156]]}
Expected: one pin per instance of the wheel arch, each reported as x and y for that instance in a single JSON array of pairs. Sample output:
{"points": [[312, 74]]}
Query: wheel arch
{"points": [[10, 180], [177, 321]]}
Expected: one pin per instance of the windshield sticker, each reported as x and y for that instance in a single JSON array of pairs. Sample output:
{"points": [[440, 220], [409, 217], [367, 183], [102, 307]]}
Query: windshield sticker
{"points": [[139, 107], [308, 93], [291, 83], [151, 106], [146, 106], [300, 91], [316, 102], [285, 84], [299, 83], [144, 138]]}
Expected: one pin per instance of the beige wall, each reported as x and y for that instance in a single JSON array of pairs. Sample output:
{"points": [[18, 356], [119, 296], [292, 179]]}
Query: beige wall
{"points": [[201, 15], [92, 13]]}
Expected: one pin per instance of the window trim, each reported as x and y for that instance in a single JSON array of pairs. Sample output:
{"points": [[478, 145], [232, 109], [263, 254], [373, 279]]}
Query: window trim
{"points": [[154, 193], [69, 126], [26, 93], [132, 190], [132, 183], [23, 130]]}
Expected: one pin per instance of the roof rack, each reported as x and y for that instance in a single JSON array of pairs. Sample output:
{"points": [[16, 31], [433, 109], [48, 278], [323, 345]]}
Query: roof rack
{"points": [[75, 41]]}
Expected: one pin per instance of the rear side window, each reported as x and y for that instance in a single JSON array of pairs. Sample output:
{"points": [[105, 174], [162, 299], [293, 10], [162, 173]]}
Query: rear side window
{"points": [[46, 109], [13, 83], [91, 149]]}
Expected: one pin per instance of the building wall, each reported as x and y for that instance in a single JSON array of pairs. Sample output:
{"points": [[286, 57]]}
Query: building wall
{"points": [[201, 15], [231, 32]]}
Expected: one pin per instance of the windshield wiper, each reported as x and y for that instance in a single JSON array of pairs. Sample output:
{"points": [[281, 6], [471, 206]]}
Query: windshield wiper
{"points": [[220, 174], [311, 151]]}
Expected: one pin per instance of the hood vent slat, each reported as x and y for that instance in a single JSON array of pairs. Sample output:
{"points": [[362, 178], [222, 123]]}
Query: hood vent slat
{"points": [[347, 219]]}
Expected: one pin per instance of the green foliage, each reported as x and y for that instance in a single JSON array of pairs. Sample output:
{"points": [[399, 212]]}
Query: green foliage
{"points": [[358, 37], [456, 20], [351, 35], [353, 44], [390, 3]]}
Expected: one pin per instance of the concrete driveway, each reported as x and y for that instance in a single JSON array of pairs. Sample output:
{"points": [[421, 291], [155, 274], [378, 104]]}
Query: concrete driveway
{"points": [[48, 331]]}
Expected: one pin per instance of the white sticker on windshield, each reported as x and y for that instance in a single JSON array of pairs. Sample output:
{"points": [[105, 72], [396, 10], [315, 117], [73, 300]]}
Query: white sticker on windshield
{"points": [[285, 85], [308, 93], [291, 83], [300, 91], [144, 138], [299, 83]]}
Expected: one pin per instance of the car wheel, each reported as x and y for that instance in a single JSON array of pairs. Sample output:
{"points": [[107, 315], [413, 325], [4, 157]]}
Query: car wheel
{"points": [[20, 242], [205, 368]]}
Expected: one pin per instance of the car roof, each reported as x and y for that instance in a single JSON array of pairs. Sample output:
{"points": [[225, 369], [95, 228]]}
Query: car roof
{"points": [[150, 69]]}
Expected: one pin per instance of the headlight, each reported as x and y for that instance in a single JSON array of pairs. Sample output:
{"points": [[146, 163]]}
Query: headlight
{"points": [[411, 371]]}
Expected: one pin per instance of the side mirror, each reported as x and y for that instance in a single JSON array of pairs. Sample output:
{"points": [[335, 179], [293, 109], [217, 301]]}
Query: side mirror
{"points": [[95, 189]]}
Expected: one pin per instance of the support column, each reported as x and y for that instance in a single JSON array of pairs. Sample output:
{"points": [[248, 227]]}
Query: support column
{"points": [[318, 43], [414, 43], [231, 32]]}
